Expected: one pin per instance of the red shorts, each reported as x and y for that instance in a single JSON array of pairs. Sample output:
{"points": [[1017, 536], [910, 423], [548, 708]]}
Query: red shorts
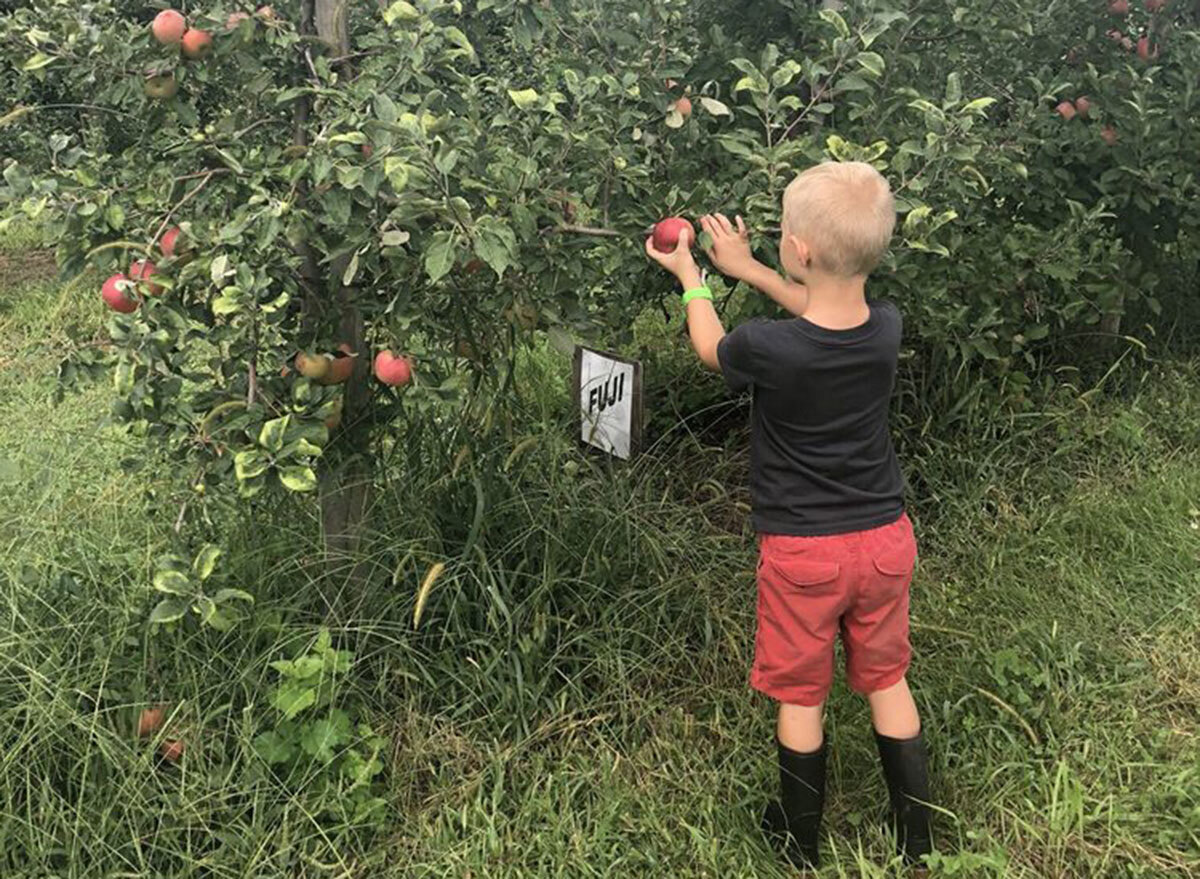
{"points": [[809, 588]]}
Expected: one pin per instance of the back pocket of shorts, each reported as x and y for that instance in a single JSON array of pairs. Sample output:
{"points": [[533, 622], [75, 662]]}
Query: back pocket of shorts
{"points": [[803, 573], [898, 561]]}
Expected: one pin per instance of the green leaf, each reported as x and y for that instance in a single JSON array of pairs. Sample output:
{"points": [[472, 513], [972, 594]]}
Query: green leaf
{"points": [[396, 171], [674, 119], [400, 11], [273, 433], [274, 748], [977, 106], [292, 698], [206, 561], [872, 62], [394, 238], [385, 109], [229, 302], [458, 38], [225, 595], [832, 17], [205, 608], [298, 478], [114, 215], [38, 61], [351, 271], [322, 738], [218, 268], [525, 98], [123, 378], [250, 463], [439, 256], [953, 88], [715, 107], [172, 583], [168, 610]]}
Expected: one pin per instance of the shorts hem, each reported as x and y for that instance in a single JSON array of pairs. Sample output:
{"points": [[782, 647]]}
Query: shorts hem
{"points": [[794, 695], [878, 683]]}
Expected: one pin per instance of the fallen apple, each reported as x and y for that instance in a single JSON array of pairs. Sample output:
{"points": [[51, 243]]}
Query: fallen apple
{"points": [[150, 721], [171, 750]]}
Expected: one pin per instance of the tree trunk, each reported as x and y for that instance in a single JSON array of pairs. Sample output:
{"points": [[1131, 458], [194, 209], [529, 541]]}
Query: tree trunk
{"points": [[345, 481]]}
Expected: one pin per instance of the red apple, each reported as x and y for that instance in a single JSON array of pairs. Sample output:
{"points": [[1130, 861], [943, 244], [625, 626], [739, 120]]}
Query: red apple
{"points": [[1109, 134], [1115, 35], [368, 151], [170, 241], [266, 13], [150, 721], [168, 27], [1156, 5], [172, 750], [314, 366], [196, 43], [234, 19], [340, 368], [142, 270], [161, 86], [684, 107], [1143, 48], [392, 370], [1127, 44], [1119, 7], [1066, 110], [667, 232], [118, 295], [1083, 106]]}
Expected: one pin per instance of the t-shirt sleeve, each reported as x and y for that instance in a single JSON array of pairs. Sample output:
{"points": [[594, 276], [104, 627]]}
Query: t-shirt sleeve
{"points": [[738, 359]]}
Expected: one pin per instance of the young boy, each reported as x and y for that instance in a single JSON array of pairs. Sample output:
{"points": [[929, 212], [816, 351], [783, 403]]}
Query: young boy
{"points": [[836, 549]]}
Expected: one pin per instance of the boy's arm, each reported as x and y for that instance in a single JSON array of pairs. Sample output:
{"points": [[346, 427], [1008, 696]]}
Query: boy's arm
{"points": [[731, 254], [704, 327]]}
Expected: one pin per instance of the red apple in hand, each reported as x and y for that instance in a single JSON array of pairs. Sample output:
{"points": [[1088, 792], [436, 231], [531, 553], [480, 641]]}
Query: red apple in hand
{"points": [[197, 44], [168, 27], [1066, 110], [142, 270], [667, 232], [392, 370], [118, 295]]}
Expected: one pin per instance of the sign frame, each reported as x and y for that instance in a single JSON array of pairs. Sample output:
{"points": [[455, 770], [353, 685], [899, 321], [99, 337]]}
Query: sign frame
{"points": [[638, 419]]}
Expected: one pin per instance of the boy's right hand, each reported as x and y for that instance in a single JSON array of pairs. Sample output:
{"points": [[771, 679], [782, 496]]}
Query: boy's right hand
{"points": [[730, 251]]}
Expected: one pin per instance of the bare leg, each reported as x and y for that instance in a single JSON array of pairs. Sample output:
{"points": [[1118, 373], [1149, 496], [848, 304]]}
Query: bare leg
{"points": [[893, 712], [800, 727]]}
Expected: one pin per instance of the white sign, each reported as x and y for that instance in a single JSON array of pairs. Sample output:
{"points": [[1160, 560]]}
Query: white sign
{"points": [[610, 392]]}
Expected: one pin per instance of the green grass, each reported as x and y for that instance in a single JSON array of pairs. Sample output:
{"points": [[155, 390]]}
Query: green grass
{"points": [[574, 701]]}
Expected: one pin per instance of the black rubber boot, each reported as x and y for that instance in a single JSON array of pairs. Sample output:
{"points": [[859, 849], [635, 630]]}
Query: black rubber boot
{"points": [[906, 770], [793, 822]]}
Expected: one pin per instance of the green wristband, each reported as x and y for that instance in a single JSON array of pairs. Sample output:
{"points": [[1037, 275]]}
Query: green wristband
{"points": [[697, 293]]}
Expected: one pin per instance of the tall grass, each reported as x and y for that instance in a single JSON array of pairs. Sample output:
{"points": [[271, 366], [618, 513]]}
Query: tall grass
{"points": [[573, 701]]}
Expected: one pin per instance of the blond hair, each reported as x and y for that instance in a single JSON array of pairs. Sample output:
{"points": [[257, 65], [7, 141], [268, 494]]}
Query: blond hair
{"points": [[844, 211]]}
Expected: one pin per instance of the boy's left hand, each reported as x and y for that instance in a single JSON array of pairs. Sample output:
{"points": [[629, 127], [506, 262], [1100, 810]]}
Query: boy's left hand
{"points": [[679, 262]]}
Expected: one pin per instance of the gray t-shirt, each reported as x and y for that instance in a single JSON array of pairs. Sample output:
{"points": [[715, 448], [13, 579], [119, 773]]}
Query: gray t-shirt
{"points": [[821, 455]]}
